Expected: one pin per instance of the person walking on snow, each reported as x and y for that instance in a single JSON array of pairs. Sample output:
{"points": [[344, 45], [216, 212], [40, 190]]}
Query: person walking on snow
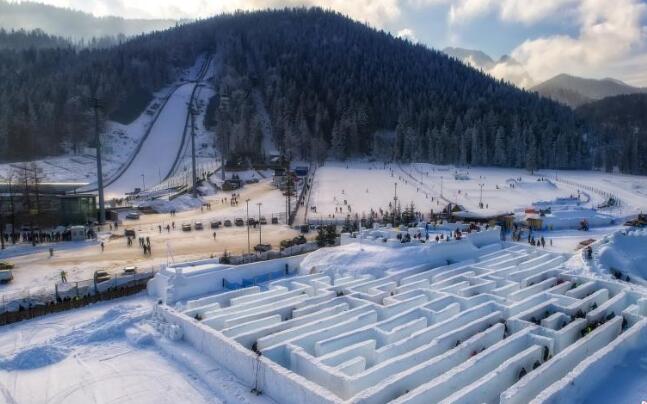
{"points": [[102, 246]]}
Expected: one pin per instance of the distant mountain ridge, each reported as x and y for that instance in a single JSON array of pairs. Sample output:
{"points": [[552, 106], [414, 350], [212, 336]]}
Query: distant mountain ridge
{"points": [[575, 91], [72, 24]]}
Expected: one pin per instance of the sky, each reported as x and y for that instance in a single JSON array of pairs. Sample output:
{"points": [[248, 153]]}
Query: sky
{"points": [[589, 38]]}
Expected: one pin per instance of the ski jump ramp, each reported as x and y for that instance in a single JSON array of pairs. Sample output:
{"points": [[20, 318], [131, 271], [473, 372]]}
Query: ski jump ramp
{"points": [[157, 155], [507, 325]]}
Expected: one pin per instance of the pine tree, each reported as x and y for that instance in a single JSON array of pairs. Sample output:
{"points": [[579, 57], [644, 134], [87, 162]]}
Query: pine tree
{"points": [[499, 147]]}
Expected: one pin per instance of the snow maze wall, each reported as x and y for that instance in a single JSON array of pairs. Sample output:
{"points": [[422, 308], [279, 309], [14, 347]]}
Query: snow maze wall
{"points": [[509, 326]]}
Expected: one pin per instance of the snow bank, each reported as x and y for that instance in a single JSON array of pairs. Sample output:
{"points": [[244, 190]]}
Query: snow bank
{"points": [[376, 257], [625, 252], [111, 324], [179, 204]]}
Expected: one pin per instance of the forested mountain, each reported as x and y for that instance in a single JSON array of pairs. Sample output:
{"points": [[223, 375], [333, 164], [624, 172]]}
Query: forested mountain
{"points": [[620, 128], [332, 87], [72, 24], [21, 39], [575, 91]]}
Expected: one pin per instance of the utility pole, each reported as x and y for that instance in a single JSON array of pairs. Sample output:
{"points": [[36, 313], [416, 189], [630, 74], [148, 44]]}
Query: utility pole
{"points": [[395, 201], [193, 173], [2, 224], [260, 240], [248, 244], [143, 183], [481, 197], [441, 186], [13, 210], [96, 105]]}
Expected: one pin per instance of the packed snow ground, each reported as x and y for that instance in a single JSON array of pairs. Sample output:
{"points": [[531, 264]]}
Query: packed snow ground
{"points": [[370, 185], [104, 353], [35, 271]]}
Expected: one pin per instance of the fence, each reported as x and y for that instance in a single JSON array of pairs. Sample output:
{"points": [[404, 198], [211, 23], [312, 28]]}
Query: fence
{"points": [[604, 194], [272, 254], [24, 304], [182, 177]]}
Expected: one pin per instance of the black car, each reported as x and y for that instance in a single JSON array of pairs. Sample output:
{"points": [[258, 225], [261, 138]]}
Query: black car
{"points": [[215, 224], [262, 247], [227, 223], [239, 222]]}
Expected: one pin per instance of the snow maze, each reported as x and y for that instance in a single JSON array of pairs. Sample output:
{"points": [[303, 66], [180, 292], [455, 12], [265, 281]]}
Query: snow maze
{"points": [[510, 326]]}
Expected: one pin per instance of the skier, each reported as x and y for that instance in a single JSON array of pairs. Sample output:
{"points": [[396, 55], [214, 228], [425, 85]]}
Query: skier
{"points": [[543, 242], [214, 236], [63, 277], [102, 246], [51, 252]]}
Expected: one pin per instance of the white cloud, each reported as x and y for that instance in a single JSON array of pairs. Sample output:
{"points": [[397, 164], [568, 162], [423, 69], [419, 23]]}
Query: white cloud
{"points": [[374, 12], [463, 10], [609, 32], [407, 33], [524, 11], [512, 72]]}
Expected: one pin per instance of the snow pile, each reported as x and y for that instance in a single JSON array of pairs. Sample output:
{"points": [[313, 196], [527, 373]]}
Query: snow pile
{"points": [[110, 324], [376, 258], [34, 358], [571, 217], [625, 252], [179, 204]]}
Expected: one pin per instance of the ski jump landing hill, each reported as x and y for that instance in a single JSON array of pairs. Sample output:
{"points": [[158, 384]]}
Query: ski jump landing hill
{"points": [[475, 320], [160, 149]]}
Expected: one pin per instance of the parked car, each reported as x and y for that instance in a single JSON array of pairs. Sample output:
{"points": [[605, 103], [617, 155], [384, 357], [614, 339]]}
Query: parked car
{"points": [[6, 275], [130, 270], [227, 223], [262, 247], [299, 240], [239, 221], [186, 227], [215, 224], [132, 216], [198, 225], [275, 220], [129, 233], [251, 221], [101, 276], [263, 221]]}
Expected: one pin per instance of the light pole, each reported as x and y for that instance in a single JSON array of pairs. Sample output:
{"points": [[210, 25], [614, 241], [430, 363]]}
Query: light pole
{"points": [[481, 197], [143, 183], [194, 181], [96, 105], [259, 224], [248, 245], [441, 186]]}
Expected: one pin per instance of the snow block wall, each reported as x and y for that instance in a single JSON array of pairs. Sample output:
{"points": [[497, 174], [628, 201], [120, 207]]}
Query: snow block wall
{"points": [[176, 283], [506, 325]]}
